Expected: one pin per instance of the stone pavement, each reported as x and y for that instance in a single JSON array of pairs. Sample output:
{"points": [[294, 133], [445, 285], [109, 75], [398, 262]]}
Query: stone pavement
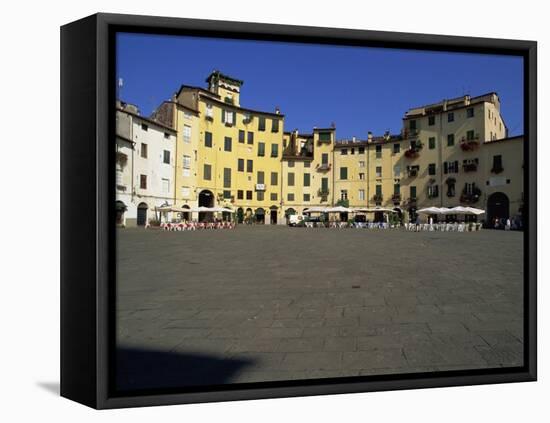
{"points": [[274, 303]]}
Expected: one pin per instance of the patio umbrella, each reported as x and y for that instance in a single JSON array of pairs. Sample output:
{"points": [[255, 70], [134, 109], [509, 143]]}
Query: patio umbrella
{"points": [[475, 211], [459, 210], [430, 210], [338, 209], [315, 210], [163, 208]]}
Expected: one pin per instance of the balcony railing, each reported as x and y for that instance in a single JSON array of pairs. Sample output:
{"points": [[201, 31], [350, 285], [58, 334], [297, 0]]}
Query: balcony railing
{"points": [[469, 167], [470, 197], [323, 167], [396, 198], [377, 198], [497, 169], [469, 144], [323, 193]]}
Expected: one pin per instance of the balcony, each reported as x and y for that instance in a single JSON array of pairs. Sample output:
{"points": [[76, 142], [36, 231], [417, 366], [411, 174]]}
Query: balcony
{"points": [[377, 198], [324, 141], [412, 171], [414, 150], [396, 198], [469, 167], [469, 144], [470, 197], [324, 167]]}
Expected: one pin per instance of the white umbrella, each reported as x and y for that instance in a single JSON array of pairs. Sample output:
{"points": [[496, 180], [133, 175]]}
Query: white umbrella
{"points": [[459, 210], [226, 210], [315, 210], [475, 211], [338, 209], [430, 210], [163, 208]]}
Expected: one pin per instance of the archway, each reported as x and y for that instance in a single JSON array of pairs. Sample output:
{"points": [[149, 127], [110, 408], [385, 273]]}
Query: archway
{"points": [[206, 199], [142, 214], [498, 207], [249, 216], [240, 215], [260, 215], [273, 215], [185, 215], [289, 212], [120, 209]]}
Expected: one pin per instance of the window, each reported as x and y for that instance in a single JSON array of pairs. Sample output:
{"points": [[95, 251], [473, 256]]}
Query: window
{"points": [[240, 165], [144, 127], [166, 135], [431, 169], [240, 194], [379, 151], [343, 194], [378, 190], [261, 149], [431, 120], [166, 157], [261, 123], [227, 177], [241, 136], [361, 150], [273, 196], [433, 191], [290, 197], [412, 125], [227, 144], [186, 133], [396, 148], [119, 175], [275, 125], [361, 195], [396, 189], [431, 143], [352, 151], [228, 117], [470, 135], [250, 137], [274, 178], [451, 188], [260, 177], [249, 195], [249, 165], [226, 194], [343, 173], [165, 185], [307, 179], [143, 181], [450, 117], [497, 164], [144, 150], [307, 197], [324, 159], [378, 171], [450, 140], [397, 171], [361, 163], [412, 191], [209, 111], [325, 136], [361, 176], [207, 171], [274, 150], [260, 195], [290, 164], [208, 139], [324, 184], [344, 151], [450, 167], [290, 179], [307, 164], [470, 112], [186, 162]]}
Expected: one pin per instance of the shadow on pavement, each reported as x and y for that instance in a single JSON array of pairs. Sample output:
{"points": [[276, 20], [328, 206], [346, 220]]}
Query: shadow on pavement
{"points": [[139, 368]]}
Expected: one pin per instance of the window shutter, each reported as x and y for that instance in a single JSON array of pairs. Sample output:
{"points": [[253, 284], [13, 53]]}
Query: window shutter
{"points": [[456, 166], [223, 115], [445, 167]]}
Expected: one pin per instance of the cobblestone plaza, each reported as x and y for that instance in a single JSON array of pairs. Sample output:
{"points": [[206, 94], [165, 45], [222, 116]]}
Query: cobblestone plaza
{"points": [[268, 303]]}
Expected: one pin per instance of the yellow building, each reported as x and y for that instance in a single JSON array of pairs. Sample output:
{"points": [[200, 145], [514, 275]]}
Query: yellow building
{"points": [[447, 154], [235, 152]]}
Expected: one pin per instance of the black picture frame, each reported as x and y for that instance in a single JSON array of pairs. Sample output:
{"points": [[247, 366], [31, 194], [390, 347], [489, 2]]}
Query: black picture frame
{"points": [[87, 235]]}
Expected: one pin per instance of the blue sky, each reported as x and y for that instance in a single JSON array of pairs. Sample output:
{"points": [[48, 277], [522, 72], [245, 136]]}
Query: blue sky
{"points": [[359, 89]]}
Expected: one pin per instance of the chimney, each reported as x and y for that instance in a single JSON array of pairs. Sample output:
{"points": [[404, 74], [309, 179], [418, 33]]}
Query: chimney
{"points": [[277, 110], [369, 136]]}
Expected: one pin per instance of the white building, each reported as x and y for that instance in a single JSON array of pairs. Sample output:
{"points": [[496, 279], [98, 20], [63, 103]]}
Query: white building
{"points": [[145, 165]]}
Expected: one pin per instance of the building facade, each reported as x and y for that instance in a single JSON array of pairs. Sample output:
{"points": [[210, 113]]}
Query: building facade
{"points": [[145, 167], [455, 152]]}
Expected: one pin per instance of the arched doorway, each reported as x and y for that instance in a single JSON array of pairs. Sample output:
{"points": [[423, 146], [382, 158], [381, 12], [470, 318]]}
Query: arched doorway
{"points": [[249, 216], [273, 215], [142, 214], [498, 207], [206, 199], [240, 215], [260, 215], [185, 215], [120, 210], [289, 212]]}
